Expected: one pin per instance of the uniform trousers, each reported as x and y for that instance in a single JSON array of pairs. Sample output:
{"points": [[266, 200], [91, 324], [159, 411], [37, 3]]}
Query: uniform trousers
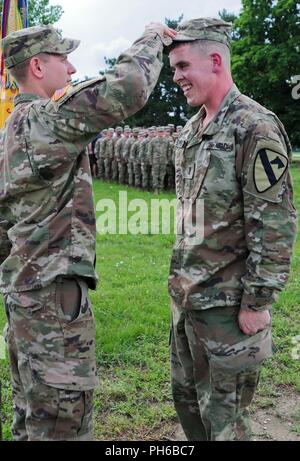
{"points": [[51, 345], [215, 370]]}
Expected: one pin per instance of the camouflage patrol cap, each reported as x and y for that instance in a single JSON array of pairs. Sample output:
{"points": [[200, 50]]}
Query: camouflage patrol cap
{"points": [[111, 130], [214, 29], [26, 43], [135, 131], [160, 129], [119, 129], [127, 130]]}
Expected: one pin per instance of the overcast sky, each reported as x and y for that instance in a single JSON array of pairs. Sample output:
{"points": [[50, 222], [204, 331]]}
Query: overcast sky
{"points": [[108, 27]]}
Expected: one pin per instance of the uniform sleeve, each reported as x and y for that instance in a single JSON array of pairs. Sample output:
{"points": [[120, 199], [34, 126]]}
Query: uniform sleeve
{"points": [[269, 213], [89, 107]]}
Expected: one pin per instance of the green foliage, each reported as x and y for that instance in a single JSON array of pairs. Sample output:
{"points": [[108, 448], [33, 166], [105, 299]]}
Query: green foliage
{"points": [[40, 12], [265, 52]]}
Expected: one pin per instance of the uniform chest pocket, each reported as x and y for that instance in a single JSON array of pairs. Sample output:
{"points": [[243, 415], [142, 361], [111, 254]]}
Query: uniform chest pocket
{"points": [[215, 172]]}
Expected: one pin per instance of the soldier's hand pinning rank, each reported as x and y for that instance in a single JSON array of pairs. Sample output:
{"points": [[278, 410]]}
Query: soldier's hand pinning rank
{"points": [[166, 33]]}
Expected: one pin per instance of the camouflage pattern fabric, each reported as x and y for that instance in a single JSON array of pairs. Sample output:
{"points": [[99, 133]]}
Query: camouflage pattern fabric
{"points": [[114, 163], [249, 224], [100, 159], [51, 344], [48, 230], [235, 255], [26, 43], [159, 151], [122, 168], [137, 163], [214, 371], [47, 218], [108, 158], [212, 29], [145, 163], [170, 173], [131, 160]]}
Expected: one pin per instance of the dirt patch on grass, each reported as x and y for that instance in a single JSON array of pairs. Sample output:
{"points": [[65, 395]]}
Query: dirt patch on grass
{"points": [[276, 419]]}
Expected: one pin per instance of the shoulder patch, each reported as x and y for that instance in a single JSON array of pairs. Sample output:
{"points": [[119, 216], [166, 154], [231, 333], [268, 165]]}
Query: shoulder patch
{"points": [[60, 93], [63, 95], [267, 170]]}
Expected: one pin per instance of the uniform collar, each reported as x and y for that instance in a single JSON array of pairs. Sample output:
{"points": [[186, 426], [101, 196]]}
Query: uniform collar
{"points": [[215, 125], [25, 97]]}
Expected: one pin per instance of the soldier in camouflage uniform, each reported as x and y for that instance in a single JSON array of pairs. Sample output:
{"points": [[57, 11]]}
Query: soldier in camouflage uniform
{"points": [[170, 174], [137, 161], [108, 153], [132, 145], [144, 159], [47, 222], [99, 152], [236, 229], [159, 152], [114, 163], [119, 149]]}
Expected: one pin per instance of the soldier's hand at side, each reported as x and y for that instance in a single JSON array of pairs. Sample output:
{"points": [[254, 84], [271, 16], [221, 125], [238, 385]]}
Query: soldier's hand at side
{"points": [[166, 33], [252, 322]]}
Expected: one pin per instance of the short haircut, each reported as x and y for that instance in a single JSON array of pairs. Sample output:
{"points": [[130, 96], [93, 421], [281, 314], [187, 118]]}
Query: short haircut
{"points": [[208, 47], [19, 72]]}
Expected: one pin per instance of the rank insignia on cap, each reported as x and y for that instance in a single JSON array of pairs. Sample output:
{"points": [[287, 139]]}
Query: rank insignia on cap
{"points": [[269, 168]]}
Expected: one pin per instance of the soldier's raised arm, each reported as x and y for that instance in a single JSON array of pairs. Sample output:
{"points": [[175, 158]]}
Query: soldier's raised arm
{"points": [[91, 106]]}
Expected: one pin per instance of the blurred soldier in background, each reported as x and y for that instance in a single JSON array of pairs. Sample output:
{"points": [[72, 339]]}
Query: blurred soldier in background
{"points": [[170, 174], [114, 163], [109, 154], [99, 153], [159, 152], [132, 146], [119, 157]]}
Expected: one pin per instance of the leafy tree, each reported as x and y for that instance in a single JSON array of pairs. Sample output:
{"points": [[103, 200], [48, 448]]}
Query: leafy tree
{"points": [[266, 55], [40, 12]]}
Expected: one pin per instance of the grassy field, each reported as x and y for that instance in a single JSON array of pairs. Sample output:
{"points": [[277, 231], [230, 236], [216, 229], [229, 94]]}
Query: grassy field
{"points": [[132, 315]]}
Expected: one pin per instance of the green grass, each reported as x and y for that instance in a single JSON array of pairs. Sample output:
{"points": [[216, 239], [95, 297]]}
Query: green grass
{"points": [[131, 308]]}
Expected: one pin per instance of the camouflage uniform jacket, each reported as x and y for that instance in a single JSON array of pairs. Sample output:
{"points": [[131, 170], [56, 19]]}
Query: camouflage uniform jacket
{"points": [[119, 146], [134, 151], [108, 151], [99, 147], [127, 149], [237, 169], [143, 151], [159, 151], [47, 218]]}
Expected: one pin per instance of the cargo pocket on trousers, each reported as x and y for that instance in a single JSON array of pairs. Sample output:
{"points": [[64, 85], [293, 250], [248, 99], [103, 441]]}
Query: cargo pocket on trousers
{"points": [[245, 354], [73, 375], [76, 369], [77, 320]]}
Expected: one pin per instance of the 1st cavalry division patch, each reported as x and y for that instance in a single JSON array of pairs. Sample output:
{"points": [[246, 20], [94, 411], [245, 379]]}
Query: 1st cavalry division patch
{"points": [[269, 168]]}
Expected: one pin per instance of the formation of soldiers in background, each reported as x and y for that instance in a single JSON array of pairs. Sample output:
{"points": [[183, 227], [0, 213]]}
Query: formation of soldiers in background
{"points": [[139, 157]]}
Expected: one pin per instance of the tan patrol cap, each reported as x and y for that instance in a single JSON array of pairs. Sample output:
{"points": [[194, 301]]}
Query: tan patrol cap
{"points": [[213, 29], [26, 43]]}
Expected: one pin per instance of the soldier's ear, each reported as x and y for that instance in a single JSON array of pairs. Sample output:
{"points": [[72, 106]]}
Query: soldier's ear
{"points": [[36, 67], [216, 60]]}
